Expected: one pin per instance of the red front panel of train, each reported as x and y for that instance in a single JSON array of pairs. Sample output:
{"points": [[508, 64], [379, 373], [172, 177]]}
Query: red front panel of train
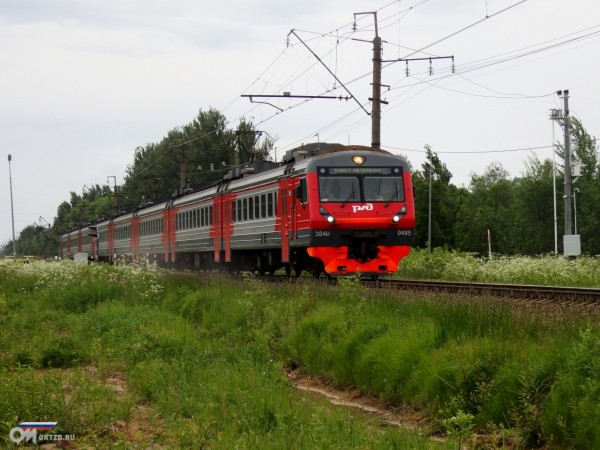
{"points": [[361, 219]]}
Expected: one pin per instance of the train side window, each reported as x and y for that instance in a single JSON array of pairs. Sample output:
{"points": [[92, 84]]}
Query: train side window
{"points": [[239, 210], [270, 204], [257, 207], [234, 210], [263, 206], [245, 208], [210, 215], [251, 208], [301, 191]]}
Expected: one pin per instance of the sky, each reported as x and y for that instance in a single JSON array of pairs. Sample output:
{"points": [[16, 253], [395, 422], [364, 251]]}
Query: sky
{"points": [[85, 82]]}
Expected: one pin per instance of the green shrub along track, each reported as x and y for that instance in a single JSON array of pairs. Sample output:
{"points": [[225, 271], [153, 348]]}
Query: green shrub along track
{"points": [[198, 361]]}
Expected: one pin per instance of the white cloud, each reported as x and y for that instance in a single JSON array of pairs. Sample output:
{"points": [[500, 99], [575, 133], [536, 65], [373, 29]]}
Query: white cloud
{"points": [[85, 82]]}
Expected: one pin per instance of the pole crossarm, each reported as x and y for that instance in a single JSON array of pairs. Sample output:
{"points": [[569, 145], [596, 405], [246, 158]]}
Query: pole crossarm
{"points": [[428, 58], [287, 95], [330, 71]]}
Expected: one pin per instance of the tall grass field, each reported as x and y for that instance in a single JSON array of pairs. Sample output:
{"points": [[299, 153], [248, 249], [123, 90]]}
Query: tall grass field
{"points": [[130, 357], [548, 270]]}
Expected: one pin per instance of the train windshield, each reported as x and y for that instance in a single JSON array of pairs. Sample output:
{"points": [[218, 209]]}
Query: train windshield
{"points": [[361, 184]]}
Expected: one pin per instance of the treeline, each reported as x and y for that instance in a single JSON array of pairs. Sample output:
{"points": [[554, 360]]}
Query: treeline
{"points": [[518, 212], [188, 157]]}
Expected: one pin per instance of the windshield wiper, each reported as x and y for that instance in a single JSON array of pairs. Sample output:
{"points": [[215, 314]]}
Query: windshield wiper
{"points": [[394, 195], [350, 196]]}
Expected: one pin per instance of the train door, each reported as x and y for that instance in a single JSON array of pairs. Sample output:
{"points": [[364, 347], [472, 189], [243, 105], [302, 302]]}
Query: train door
{"points": [[228, 227], [169, 232], [215, 228], [287, 217], [135, 237], [110, 237]]}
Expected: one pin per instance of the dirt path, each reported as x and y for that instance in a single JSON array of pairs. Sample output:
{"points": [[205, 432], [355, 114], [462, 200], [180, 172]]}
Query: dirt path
{"points": [[374, 411]]}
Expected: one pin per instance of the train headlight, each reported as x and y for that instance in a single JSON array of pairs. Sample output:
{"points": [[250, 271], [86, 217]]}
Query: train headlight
{"points": [[359, 160], [327, 215], [396, 217]]}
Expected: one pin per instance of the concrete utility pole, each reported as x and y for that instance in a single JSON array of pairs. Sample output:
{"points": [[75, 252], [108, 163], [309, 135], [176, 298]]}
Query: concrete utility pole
{"points": [[376, 100], [115, 194], [568, 196], [183, 169], [429, 216], [12, 212]]}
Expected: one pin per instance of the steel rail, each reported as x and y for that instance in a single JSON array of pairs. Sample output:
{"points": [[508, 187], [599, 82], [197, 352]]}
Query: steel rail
{"points": [[522, 291]]}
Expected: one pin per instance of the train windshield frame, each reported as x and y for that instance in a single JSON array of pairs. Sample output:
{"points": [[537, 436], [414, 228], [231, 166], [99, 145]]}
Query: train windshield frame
{"points": [[361, 184]]}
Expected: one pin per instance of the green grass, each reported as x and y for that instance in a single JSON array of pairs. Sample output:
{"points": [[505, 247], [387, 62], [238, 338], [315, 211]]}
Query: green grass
{"points": [[180, 361], [449, 356], [147, 358]]}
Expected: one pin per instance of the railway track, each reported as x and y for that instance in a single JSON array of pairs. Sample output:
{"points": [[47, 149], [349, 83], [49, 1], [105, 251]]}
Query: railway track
{"points": [[552, 294], [541, 294]]}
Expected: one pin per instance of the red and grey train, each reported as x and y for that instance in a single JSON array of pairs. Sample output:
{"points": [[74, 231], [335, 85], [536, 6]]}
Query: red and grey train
{"points": [[339, 211]]}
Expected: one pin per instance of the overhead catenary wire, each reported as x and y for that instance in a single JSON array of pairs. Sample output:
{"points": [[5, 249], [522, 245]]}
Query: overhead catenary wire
{"points": [[474, 152], [343, 37]]}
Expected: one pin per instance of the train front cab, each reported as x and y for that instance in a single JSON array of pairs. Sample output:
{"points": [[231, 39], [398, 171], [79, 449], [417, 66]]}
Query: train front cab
{"points": [[362, 211]]}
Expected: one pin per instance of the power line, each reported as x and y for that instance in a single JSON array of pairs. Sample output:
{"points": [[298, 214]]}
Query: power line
{"points": [[473, 152], [469, 26], [502, 96]]}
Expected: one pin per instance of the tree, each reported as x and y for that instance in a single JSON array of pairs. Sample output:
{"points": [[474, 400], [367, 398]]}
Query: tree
{"points": [[247, 143], [588, 187], [445, 199], [490, 206], [534, 208]]}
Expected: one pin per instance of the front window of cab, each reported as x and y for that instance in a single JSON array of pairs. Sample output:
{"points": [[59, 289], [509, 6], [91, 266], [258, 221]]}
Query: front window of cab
{"points": [[383, 189], [339, 189], [361, 184]]}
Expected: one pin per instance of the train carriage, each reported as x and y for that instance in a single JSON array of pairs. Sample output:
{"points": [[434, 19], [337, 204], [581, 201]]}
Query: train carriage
{"points": [[338, 211], [193, 240], [149, 233]]}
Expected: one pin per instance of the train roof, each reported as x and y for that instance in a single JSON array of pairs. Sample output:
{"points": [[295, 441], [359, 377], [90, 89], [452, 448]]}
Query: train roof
{"points": [[305, 158]]}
